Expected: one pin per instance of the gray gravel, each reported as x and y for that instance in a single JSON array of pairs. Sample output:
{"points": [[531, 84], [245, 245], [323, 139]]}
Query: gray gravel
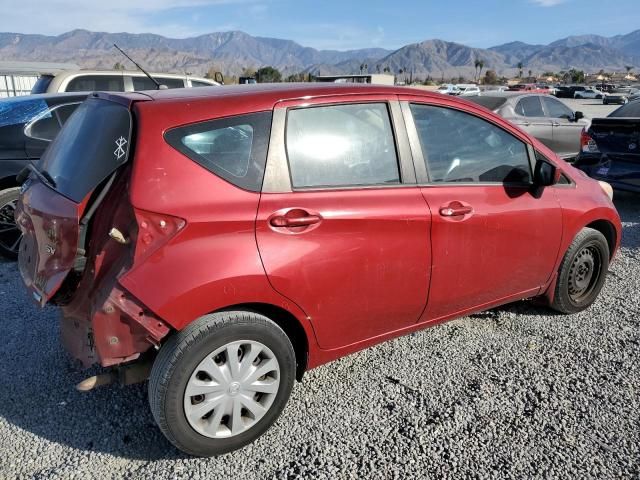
{"points": [[516, 392]]}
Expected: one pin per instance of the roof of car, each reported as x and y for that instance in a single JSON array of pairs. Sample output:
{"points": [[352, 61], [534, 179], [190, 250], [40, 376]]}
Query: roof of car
{"points": [[271, 92]]}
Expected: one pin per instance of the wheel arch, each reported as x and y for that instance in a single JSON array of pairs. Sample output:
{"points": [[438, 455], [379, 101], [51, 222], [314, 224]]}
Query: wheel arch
{"points": [[288, 323], [607, 229]]}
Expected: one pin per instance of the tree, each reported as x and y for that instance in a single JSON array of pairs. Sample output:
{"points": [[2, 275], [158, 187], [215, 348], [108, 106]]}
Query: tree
{"points": [[530, 74], [211, 73], [520, 67], [476, 64], [490, 78], [268, 75], [628, 68], [576, 76], [118, 66], [481, 65], [248, 72]]}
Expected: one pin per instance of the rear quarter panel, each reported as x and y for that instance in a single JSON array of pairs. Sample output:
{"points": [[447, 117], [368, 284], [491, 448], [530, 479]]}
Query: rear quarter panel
{"points": [[213, 263]]}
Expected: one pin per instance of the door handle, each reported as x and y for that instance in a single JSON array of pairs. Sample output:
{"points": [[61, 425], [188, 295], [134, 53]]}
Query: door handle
{"points": [[455, 209], [283, 221]]}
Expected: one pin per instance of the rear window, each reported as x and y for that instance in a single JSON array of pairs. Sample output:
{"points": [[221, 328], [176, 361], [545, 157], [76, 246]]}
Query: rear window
{"points": [[630, 110], [145, 83], [92, 144], [93, 83], [42, 84], [492, 103], [234, 148]]}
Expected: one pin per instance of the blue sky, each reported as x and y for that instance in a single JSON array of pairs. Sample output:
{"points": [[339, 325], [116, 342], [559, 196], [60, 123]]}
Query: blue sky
{"points": [[334, 24]]}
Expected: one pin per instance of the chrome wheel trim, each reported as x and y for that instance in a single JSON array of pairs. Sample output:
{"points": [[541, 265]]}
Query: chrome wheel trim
{"points": [[10, 234], [231, 389]]}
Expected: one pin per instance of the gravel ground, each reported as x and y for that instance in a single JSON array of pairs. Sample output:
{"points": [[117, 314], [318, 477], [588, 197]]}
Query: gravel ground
{"points": [[515, 392]]}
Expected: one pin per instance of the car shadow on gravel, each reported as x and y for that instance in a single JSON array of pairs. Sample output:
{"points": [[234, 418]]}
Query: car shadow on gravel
{"points": [[38, 395]]}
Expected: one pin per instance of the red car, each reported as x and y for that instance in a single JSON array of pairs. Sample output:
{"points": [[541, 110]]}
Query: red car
{"points": [[529, 88], [229, 239]]}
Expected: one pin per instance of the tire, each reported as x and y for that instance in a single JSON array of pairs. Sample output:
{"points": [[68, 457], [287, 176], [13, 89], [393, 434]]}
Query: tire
{"points": [[578, 97], [9, 239], [604, 102], [181, 364], [582, 272]]}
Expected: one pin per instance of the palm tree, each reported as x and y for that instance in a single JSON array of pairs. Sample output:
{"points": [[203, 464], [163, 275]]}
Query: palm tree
{"points": [[520, 67], [530, 74], [481, 65], [476, 64]]}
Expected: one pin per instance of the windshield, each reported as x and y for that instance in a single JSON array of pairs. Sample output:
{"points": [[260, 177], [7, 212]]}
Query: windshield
{"points": [[42, 84], [92, 144]]}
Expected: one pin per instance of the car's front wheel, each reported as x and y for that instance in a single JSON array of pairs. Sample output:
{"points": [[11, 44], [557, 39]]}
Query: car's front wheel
{"points": [[582, 272], [220, 383]]}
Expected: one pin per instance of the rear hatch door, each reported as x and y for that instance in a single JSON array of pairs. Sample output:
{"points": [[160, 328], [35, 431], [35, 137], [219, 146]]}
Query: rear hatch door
{"points": [[73, 171], [618, 141]]}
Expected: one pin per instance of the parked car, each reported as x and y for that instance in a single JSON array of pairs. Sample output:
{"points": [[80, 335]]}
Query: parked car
{"points": [[249, 234], [542, 116], [528, 88], [114, 81], [448, 89], [588, 92], [618, 96], [468, 90], [569, 91], [27, 126], [611, 148]]}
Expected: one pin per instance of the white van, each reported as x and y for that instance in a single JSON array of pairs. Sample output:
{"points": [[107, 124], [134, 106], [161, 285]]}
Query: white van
{"points": [[114, 81]]}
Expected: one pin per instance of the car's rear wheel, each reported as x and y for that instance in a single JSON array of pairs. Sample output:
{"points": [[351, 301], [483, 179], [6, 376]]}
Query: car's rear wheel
{"points": [[10, 234], [582, 272], [220, 383]]}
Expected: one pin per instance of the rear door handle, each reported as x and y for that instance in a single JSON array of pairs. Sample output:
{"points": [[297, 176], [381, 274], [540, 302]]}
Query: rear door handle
{"points": [[283, 221], [455, 209]]}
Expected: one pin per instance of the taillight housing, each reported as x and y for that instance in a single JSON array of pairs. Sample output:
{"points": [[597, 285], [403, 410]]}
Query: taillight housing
{"points": [[588, 144], [154, 230]]}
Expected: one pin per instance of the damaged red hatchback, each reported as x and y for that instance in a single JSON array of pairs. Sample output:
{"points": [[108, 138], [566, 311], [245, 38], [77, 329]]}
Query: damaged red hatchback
{"points": [[223, 241]]}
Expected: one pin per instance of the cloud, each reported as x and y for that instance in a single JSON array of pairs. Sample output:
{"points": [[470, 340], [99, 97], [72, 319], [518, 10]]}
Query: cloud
{"points": [[547, 3]]}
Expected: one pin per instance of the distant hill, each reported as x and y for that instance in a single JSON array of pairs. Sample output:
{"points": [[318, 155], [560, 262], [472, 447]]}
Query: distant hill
{"points": [[232, 51]]}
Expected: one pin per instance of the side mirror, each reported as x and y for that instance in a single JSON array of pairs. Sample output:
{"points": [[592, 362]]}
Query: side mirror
{"points": [[545, 174], [577, 116]]}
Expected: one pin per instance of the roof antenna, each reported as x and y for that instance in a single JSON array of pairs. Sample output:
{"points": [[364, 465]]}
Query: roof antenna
{"points": [[159, 86]]}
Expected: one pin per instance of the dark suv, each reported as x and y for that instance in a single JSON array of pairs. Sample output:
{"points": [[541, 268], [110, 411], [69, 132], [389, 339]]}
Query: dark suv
{"points": [[27, 126]]}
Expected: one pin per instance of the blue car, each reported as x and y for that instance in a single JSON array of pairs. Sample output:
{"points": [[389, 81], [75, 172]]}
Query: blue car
{"points": [[610, 148], [27, 125]]}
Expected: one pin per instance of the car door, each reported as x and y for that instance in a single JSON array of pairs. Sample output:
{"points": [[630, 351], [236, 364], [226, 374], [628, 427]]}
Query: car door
{"points": [[342, 228], [531, 118], [566, 130], [494, 237]]}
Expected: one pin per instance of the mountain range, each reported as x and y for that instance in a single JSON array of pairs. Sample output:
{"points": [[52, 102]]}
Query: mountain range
{"points": [[231, 52]]}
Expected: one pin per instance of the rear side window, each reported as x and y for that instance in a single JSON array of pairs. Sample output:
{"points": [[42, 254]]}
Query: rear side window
{"points": [[145, 83], [196, 83], [341, 145], [234, 148], [459, 147], [93, 143], [47, 125], [530, 107], [94, 83]]}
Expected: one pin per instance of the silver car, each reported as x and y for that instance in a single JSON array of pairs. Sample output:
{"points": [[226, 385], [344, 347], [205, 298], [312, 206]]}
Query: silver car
{"points": [[542, 116]]}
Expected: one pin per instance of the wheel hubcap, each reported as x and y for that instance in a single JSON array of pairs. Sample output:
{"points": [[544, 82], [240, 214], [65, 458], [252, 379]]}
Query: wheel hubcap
{"points": [[231, 389], [10, 234], [584, 273]]}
